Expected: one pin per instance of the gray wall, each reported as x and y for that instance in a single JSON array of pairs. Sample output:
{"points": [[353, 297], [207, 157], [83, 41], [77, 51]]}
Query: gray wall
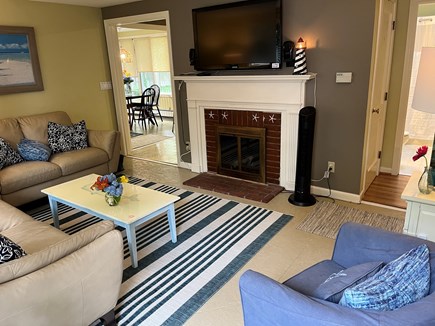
{"points": [[339, 38]]}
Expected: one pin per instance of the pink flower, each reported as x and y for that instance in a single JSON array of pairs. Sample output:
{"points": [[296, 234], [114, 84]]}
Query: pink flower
{"points": [[421, 151]]}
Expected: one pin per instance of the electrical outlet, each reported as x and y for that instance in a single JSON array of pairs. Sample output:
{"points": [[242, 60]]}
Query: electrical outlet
{"points": [[188, 146], [331, 167]]}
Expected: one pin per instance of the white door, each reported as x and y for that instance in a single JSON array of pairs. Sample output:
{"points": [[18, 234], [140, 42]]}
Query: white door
{"points": [[378, 93]]}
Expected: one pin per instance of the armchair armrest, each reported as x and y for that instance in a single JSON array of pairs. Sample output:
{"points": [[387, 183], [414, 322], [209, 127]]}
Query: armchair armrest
{"points": [[267, 302], [357, 244]]}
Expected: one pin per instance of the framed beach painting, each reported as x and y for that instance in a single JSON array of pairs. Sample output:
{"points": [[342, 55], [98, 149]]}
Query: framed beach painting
{"points": [[19, 63]]}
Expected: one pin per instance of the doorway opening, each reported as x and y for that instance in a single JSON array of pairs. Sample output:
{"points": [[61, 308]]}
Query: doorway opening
{"points": [[141, 58], [419, 126]]}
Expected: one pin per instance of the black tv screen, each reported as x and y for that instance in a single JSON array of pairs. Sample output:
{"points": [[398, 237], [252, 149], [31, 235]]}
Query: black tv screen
{"points": [[240, 35]]}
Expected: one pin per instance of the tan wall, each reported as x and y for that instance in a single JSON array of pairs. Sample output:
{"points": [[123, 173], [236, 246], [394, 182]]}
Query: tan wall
{"points": [[73, 57]]}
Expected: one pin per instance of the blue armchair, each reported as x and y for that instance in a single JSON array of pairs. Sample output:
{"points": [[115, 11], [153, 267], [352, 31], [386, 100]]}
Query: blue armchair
{"points": [[267, 302]]}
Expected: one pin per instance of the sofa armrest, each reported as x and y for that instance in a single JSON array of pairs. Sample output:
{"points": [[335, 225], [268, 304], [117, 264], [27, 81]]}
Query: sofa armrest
{"points": [[11, 216], [110, 142], [30, 263], [357, 244], [267, 302], [75, 290], [103, 139]]}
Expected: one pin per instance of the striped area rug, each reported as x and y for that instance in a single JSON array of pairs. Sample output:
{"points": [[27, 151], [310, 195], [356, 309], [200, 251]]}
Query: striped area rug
{"points": [[216, 237], [326, 219]]}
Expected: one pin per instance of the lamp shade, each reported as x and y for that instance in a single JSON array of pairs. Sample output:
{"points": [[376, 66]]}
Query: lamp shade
{"points": [[424, 93]]}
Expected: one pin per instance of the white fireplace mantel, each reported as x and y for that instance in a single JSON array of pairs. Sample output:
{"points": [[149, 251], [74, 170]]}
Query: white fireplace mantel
{"points": [[285, 94]]}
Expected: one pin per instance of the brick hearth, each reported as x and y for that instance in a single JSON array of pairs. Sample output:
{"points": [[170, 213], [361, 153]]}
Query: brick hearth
{"points": [[269, 120]]}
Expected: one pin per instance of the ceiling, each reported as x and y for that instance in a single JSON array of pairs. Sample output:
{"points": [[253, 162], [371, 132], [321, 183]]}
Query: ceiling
{"points": [[89, 3]]}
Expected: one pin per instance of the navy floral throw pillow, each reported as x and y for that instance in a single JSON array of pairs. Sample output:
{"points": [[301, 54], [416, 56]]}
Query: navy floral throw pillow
{"points": [[9, 250], [67, 138], [8, 156]]}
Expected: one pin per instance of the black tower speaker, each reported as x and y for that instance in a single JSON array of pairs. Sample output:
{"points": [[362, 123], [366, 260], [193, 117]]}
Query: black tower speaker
{"points": [[302, 195]]}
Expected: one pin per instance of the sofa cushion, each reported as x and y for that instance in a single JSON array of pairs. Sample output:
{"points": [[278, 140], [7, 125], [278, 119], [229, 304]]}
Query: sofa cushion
{"points": [[75, 161], [333, 287], [35, 126], [27, 174], [51, 253], [9, 250], [8, 156], [66, 138], [402, 281], [10, 131], [32, 150]]}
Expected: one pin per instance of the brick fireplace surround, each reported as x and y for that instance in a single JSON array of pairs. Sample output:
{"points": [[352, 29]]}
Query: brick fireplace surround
{"points": [[272, 101], [271, 121]]}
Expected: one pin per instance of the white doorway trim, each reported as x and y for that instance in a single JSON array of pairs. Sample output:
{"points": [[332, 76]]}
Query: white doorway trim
{"points": [[406, 81], [110, 26], [380, 71]]}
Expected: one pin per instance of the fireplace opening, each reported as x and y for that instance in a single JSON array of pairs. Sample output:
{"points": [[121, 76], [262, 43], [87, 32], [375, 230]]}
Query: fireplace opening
{"points": [[241, 152]]}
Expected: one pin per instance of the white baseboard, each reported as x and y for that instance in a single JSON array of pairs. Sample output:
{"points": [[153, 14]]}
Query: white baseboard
{"points": [[385, 170], [345, 196], [184, 165]]}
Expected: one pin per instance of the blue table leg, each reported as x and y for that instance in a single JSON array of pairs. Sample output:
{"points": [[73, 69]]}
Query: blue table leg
{"points": [[171, 221], [54, 211]]}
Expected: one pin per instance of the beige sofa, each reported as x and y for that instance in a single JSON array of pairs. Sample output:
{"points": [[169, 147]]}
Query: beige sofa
{"points": [[63, 280], [22, 182]]}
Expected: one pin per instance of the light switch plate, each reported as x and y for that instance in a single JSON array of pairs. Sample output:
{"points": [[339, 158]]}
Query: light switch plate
{"points": [[343, 77], [104, 86]]}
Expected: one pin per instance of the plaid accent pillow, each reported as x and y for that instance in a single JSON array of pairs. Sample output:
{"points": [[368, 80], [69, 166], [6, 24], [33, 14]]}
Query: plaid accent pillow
{"points": [[402, 281]]}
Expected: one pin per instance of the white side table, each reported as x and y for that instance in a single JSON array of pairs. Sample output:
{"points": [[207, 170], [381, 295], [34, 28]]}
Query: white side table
{"points": [[420, 210]]}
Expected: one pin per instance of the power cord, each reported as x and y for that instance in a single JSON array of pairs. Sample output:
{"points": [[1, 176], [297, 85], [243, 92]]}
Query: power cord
{"points": [[325, 176]]}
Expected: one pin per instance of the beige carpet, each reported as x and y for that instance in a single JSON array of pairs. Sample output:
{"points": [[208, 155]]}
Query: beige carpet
{"points": [[327, 218]]}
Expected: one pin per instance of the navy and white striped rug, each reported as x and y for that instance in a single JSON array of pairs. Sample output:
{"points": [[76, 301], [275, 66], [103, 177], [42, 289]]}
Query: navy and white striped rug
{"points": [[216, 237]]}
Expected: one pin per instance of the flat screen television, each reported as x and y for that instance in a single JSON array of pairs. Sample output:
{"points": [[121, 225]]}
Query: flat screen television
{"points": [[238, 35]]}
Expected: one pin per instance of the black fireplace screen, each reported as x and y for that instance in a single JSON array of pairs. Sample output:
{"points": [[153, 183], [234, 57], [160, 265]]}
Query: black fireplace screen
{"points": [[241, 152]]}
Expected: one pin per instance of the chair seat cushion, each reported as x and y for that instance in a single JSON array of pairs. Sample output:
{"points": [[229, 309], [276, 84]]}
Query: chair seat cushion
{"points": [[333, 287], [310, 279], [402, 281]]}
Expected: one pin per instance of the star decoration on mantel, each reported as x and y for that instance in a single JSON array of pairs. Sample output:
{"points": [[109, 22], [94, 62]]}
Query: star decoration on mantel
{"points": [[225, 116], [272, 118], [255, 117], [211, 115]]}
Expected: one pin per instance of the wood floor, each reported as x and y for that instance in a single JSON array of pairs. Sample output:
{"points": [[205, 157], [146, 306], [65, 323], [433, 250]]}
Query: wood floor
{"points": [[386, 189]]}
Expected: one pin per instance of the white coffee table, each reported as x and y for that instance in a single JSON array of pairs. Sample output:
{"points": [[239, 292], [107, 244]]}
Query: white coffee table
{"points": [[137, 206]]}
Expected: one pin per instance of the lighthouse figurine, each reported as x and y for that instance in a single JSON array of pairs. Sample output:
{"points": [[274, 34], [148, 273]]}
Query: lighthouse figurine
{"points": [[300, 59]]}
